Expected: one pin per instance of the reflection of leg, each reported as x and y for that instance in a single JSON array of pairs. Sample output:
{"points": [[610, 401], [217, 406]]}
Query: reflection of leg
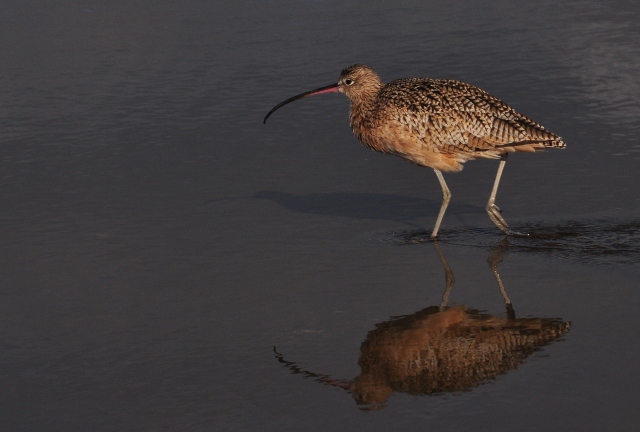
{"points": [[446, 197], [492, 209], [448, 276], [495, 258]]}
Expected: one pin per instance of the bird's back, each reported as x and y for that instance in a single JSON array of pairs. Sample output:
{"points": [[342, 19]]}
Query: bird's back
{"points": [[443, 123]]}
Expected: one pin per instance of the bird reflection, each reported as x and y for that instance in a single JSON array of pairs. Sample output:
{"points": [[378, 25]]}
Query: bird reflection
{"points": [[442, 349]]}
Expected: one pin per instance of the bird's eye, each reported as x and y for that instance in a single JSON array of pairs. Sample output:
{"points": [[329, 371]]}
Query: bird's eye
{"points": [[348, 81]]}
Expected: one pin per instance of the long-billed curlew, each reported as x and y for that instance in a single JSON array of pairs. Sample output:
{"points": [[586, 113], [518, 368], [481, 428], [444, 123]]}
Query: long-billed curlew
{"points": [[436, 123]]}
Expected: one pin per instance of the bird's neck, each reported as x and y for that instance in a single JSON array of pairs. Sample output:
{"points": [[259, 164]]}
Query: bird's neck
{"points": [[363, 107]]}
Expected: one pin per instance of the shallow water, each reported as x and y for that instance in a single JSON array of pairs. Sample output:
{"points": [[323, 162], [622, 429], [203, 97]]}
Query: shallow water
{"points": [[158, 241]]}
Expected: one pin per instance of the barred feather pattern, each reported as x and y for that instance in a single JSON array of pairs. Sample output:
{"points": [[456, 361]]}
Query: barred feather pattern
{"points": [[438, 123]]}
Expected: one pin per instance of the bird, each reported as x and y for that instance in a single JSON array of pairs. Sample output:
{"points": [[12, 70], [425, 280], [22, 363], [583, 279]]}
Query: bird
{"points": [[436, 123]]}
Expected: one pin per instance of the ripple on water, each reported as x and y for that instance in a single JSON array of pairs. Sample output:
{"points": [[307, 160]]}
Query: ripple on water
{"points": [[602, 241]]}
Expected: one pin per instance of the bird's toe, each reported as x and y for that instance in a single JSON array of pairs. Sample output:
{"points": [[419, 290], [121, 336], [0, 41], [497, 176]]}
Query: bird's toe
{"points": [[494, 214]]}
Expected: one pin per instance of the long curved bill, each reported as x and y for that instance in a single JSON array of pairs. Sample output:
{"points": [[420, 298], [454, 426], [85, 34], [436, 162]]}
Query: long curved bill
{"points": [[333, 88]]}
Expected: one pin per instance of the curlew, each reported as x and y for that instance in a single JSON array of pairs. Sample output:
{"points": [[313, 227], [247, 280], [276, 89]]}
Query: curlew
{"points": [[436, 123]]}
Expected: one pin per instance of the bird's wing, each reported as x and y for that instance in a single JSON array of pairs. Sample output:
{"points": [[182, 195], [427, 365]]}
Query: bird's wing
{"points": [[457, 117]]}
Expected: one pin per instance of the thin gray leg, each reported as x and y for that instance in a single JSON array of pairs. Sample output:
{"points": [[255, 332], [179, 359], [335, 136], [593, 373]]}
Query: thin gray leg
{"points": [[446, 197], [492, 209]]}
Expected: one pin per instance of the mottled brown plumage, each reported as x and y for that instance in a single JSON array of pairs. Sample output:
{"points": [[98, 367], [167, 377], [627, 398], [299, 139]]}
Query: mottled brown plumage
{"points": [[436, 123]]}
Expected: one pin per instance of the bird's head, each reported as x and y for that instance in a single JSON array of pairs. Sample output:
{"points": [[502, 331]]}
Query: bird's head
{"points": [[357, 82]]}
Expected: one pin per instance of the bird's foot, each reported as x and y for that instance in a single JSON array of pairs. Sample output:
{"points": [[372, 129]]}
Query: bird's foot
{"points": [[494, 214]]}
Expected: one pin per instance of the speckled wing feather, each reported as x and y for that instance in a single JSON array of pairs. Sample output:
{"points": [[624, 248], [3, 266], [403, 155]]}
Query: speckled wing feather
{"points": [[457, 117]]}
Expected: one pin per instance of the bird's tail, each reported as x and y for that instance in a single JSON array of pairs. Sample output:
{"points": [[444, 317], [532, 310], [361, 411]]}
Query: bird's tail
{"points": [[531, 146]]}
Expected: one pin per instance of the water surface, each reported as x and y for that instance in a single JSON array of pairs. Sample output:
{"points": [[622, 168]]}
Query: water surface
{"points": [[158, 240]]}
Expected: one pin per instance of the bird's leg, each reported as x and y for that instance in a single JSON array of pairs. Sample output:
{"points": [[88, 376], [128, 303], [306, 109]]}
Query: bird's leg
{"points": [[492, 209], [446, 197]]}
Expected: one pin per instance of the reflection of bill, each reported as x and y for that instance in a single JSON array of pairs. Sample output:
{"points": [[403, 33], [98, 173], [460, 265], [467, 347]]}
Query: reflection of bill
{"points": [[442, 349]]}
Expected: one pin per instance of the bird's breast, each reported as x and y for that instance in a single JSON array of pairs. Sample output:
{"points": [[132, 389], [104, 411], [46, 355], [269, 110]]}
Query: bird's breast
{"points": [[393, 137]]}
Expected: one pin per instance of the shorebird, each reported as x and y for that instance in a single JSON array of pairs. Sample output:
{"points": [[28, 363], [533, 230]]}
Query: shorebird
{"points": [[436, 123]]}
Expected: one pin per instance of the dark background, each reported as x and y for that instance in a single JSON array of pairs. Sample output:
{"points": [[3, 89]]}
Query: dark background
{"points": [[157, 240]]}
